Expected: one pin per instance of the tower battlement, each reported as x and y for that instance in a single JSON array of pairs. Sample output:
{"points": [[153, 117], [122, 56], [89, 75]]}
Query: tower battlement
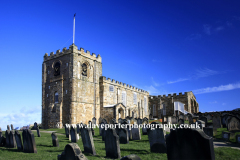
{"points": [[73, 49], [113, 82]]}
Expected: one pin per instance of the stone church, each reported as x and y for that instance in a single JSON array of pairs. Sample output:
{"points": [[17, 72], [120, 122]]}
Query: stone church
{"points": [[74, 91]]}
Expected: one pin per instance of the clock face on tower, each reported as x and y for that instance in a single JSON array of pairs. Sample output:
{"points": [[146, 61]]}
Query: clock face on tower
{"points": [[57, 69]]}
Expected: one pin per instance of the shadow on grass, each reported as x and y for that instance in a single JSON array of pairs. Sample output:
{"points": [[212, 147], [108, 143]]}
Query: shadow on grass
{"points": [[136, 151]]}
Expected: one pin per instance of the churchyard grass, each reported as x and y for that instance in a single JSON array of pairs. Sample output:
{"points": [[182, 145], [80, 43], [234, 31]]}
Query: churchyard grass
{"points": [[138, 147], [219, 134]]}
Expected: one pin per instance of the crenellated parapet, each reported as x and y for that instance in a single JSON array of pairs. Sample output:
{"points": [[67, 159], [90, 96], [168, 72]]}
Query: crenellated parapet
{"points": [[73, 49], [120, 84], [174, 96]]}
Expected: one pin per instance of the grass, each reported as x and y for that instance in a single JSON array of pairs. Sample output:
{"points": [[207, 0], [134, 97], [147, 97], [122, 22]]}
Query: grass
{"points": [[219, 134], [138, 147]]}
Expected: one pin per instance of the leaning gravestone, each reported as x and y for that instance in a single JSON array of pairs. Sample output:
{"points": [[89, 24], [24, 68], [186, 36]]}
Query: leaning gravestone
{"points": [[18, 141], [136, 134], [12, 140], [181, 116], [112, 144], [72, 152], [144, 130], [233, 124], [54, 140], [8, 128], [123, 136], [29, 144], [139, 121], [38, 132], [87, 140], [94, 120], [186, 143], [157, 141], [103, 133], [35, 126], [180, 121], [7, 134], [174, 120], [101, 127], [73, 133], [119, 120]]}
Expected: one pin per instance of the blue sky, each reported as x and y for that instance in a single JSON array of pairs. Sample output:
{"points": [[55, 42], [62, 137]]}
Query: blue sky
{"points": [[160, 46]]}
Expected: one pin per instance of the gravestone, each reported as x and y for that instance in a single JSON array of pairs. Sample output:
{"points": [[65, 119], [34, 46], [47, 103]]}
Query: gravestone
{"points": [[29, 144], [157, 141], [100, 120], [38, 132], [186, 143], [12, 140], [169, 119], [185, 117], [174, 120], [216, 120], [238, 138], [112, 144], [123, 136], [120, 120], [55, 139], [180, 121], [233, 124], [94, 121], [78, 128], [190, 119], [136, 134], [139, 121], [200, 123], [101, 127], [73, 134], [8, 128], [72, 152], [204, 119], [195, 119], [103, 134], [209, 117], [87, 140], [113, 121], [226, 136], [129, 129], [181, 116], [223, 120], [208, 131], [35, 126], [7, 135], [66, 130], [18, 141], [12, 127], [104, 121], [144, 130], [131, 157], [2, 141], [133, 121], [145, 120]]}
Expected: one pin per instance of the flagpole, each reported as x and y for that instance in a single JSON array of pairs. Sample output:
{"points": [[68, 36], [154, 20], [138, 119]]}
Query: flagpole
{"points": [[74, 28]]}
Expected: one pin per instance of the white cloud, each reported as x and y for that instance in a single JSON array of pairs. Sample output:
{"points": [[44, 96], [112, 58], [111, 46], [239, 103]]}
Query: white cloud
{"points": [[154, 83], [213, 102], [22, 117], [178, 80], [193, 37], [151, 90], [207, 29], [217, 89]]}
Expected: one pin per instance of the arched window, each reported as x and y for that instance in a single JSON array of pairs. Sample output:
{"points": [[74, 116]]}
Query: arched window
{"points": [[56, 97], [84, 69], [57, 69]]}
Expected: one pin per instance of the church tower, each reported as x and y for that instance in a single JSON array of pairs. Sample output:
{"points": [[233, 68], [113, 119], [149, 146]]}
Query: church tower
{"points": [[70, 87]]}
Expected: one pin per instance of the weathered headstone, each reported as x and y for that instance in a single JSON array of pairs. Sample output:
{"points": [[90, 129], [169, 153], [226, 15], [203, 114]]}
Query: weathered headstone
{"points": [[94, 120], [238, 138], [73, 133], [208, 131], [180, 121], [186, 143], [38, 132], [87, 140], [2, 141], [144, 130], [131, 157], [174, 120], [113, 121], [29, 144], [123, 136], [8, 128], [195, 118], [216, 120], [7, 134], [204, 119], [181, 116], [72, 152], [103, 133], [190, 119], [18, 141], [200, 123], [12, 127], [136, 134], [66, 130], [35, 126], [157, 141], [139, 121], [233, 124], [145, 120], [12, 140], [209, 117], [101, 127], [119, 120], [55, 139], [226, 136], [169, 119], [112, 144]]}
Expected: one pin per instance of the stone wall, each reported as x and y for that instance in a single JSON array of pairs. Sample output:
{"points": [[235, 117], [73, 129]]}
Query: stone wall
{"points": [[112, 92]]}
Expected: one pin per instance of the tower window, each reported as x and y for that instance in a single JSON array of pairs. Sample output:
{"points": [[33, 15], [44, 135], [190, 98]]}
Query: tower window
{"points": [[57, 69], [56, 98], [84, 69], [111, 88]]}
